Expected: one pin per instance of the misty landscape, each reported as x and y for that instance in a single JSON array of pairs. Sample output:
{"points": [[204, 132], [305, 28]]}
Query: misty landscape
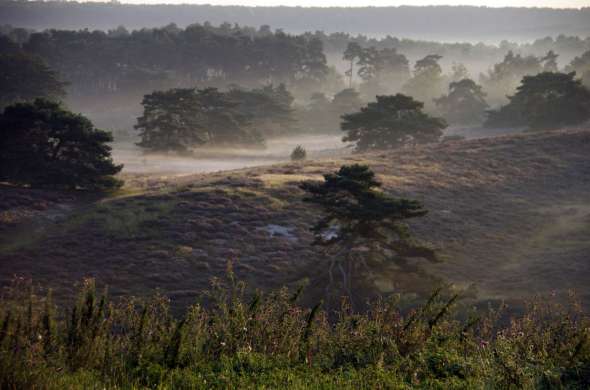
{"points": [[204, 196]]}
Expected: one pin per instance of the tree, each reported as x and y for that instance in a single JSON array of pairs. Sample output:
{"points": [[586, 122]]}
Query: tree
{"points": [[42, 144], [505, 76], [382, 71], [170, 121], [317, 116], [391, 122], [346, 101], [550, 62], [269, 109], [26, 77], [459, 72], [427, 82], [181, 119], [546, 101], [581, 65], [299, 153], [362, 223], [352, 53], [465, 103]]}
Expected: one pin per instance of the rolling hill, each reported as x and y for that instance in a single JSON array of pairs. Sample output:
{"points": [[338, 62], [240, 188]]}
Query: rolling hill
{"points": [[510, 215]]}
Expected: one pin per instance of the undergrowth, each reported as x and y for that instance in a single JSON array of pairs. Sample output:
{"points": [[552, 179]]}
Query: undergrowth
{"points": [[236, 340]]}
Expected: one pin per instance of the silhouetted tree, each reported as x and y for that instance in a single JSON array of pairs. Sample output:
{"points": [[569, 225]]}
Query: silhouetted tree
{"points": [[25, 77], [42, 144], [317, 117], [505, 76], [181, 119], [581, 65], [299, 153], [391, 122], [550, 62], [465, 104], [546, 101], [382, 71], [268, 109], [427, 82], [170, 121], [352, 54], [362, 223], [459, 72], [346, 101]]}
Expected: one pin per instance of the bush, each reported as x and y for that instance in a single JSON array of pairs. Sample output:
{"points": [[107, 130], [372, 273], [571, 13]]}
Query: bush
{"points": [[299, 153], [269, 341]]}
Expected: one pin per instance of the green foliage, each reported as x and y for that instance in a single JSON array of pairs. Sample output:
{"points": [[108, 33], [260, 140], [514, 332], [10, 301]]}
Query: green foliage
{"points": [[26, 77], [545, 101], [391, 122], [269, 341], [42, 144], [299, 153], [181, 119], [358, 214], [465, 104], [268, 109]]}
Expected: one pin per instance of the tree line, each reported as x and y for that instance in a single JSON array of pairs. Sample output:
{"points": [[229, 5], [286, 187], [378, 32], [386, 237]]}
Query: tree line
{"points": [[99, 63]]}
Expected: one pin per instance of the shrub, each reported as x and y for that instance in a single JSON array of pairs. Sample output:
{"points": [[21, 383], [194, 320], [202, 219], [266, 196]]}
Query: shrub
{"points": [[270, 341], [299, 153]]}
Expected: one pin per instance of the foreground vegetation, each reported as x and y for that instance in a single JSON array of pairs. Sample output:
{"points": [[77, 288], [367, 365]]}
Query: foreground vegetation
{"points": [[235, 340]]}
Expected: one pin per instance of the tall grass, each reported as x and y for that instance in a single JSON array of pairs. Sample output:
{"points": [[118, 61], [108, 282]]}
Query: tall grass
{"points": [[269, 341]]}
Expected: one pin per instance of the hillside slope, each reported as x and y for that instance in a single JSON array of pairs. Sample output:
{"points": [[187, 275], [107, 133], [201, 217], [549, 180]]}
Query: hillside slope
{"points": [[511, 215]]}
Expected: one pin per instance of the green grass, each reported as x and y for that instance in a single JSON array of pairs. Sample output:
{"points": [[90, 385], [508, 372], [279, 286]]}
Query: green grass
{"points": [[268, 341]]}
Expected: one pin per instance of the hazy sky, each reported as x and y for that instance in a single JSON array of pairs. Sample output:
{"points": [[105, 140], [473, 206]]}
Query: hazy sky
{"points": [[378, 3]]}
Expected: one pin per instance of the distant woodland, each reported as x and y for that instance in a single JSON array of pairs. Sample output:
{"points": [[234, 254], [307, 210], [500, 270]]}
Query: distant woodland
{"points": [[440, 23]]}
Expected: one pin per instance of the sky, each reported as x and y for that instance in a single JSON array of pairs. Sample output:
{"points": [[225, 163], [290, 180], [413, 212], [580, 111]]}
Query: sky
{"points": [[381, 3]]}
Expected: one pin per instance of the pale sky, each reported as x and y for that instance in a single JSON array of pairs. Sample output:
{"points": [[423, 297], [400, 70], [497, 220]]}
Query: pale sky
{"points": [[381, 3]]}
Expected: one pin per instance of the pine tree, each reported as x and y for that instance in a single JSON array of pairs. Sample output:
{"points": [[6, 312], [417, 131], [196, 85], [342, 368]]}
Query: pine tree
{"points": [[391, 122], [362, 222]]}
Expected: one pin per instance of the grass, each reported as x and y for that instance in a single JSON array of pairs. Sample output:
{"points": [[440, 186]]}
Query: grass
{"points": [[496, 211], [239, 340]]}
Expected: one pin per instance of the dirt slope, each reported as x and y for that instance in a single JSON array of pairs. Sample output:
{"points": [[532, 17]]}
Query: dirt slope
{"points": [[511, 215]]}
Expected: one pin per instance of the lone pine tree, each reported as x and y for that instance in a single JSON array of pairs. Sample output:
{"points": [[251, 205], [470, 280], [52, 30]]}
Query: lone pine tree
{"points": [[362, 223]]}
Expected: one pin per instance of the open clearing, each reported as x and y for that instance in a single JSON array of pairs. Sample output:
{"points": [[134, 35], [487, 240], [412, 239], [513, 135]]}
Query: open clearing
{"points": [[510, 215]]}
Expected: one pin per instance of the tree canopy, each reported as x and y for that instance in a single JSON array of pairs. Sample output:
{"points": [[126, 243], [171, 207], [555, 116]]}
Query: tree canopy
{"points": [[427, 82], [581, 65], [184, 118], [464, 104], [391, 122], [181, 119], [42, 144], [362, 223], [25, 77], [545, 101]]}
